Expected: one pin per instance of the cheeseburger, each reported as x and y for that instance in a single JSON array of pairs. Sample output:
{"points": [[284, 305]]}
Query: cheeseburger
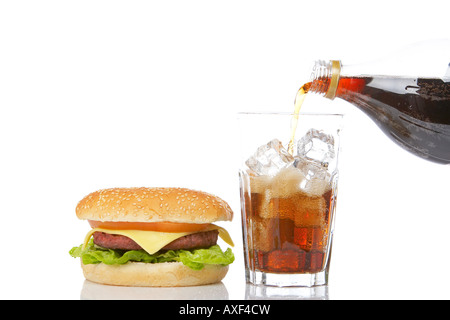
{"points": [[162, 237]]}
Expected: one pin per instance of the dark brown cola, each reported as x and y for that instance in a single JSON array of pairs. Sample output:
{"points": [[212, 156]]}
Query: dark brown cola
{"points": [[288, 228]]}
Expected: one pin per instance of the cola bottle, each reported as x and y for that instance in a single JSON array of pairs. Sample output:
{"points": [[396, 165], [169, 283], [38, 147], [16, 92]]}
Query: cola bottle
{"points": [[407, 95]]}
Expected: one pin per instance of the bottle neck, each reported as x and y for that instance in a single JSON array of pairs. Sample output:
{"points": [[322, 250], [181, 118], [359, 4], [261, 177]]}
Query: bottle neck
{"points": [[325, 78]]}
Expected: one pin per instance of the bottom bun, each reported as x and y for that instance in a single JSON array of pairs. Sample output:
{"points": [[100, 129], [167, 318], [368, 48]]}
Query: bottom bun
{"points": [[139, 274]]}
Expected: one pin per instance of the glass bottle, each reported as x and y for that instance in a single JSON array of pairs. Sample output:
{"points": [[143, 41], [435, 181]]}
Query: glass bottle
{"points": [[407, 95]]}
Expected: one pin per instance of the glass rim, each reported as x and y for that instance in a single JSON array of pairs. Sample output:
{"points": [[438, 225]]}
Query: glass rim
{"points": [[274, 113]]}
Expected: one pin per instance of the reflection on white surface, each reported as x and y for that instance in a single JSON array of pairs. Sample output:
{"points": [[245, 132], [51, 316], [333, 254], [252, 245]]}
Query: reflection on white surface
{"points": [[95, 291], [260, 292]]}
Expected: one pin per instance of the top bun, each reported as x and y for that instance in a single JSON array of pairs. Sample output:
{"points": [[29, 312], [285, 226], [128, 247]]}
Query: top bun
{"points": [[153, 205]]}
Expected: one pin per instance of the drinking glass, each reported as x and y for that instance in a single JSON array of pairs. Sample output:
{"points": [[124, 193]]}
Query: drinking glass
{"points": [[288, 188]]}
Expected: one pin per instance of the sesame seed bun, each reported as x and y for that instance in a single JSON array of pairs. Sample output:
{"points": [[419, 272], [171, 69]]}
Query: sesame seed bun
{"points": [[153, 205]]}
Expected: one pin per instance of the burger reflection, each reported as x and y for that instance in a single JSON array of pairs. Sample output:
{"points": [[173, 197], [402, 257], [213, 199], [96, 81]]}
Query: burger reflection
{"points": [[255, 292], [95, 291]]}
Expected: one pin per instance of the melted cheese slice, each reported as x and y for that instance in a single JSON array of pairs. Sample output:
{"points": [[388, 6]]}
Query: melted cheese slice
{"points": [[153, 241]]}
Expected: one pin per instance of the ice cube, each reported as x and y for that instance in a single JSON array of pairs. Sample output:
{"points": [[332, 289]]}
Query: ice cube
{"points": [[269, 158], [317, 178], [311, 212], [317, 145]]}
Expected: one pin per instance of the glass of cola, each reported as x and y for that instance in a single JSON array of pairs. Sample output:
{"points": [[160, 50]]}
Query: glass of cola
{"points": [[288, 188]]}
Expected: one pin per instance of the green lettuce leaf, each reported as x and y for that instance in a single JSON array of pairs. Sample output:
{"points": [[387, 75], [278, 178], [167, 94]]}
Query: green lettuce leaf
{"points": [[194, 259]]}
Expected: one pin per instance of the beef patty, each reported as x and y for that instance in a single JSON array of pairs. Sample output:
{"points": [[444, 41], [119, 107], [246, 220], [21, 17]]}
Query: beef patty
{"points": [[191, 241]]}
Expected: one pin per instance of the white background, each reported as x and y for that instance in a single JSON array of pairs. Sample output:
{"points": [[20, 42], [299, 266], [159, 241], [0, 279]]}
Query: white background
{"points": [[98, 94]]}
